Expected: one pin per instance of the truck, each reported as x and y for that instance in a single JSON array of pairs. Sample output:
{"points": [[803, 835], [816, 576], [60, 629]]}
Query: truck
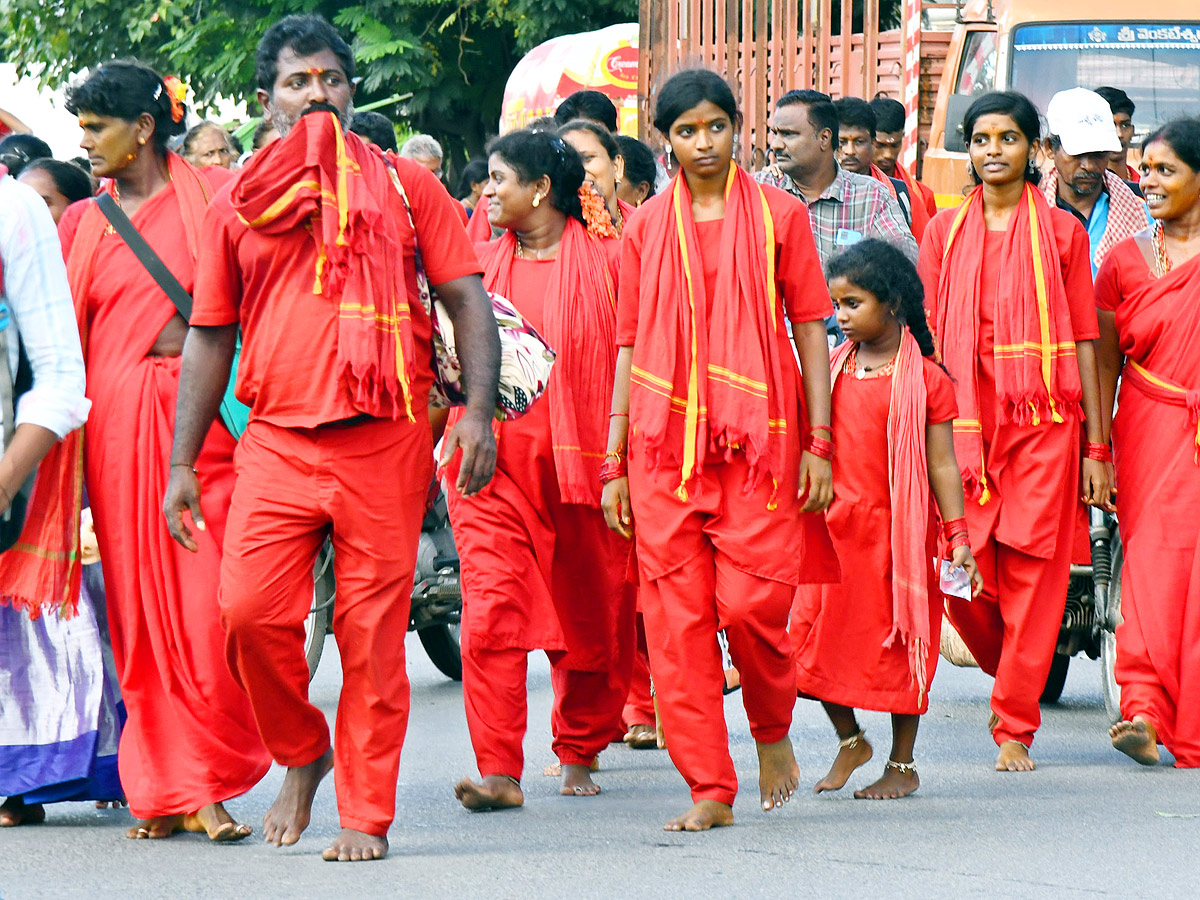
{"points": [[936, 61]]}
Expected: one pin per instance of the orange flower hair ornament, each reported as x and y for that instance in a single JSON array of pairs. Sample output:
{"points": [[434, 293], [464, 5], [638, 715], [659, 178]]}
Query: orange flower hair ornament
{"points": [[595, 213], [176, 91]]}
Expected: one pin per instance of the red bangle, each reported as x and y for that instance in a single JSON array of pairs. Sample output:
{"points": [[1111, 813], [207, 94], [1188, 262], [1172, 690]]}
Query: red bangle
{"points": [[1098, 452], [959, 540], [820, 428], [952, 528], [612, 469], [614, 415], [820, 447]]}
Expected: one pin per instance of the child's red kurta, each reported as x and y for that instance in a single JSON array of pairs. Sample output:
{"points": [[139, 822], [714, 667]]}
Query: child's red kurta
{"points": [[1022, 537], [726, 556], [839, 630], [1154, 439], [540, 574], [190, 739]]}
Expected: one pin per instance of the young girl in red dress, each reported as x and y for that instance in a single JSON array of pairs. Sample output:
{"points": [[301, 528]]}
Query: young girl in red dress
{"points": [[872, 641]]}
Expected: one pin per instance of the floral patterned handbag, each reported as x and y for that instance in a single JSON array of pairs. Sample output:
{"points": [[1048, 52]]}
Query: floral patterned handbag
{"points": [[525, 357]]}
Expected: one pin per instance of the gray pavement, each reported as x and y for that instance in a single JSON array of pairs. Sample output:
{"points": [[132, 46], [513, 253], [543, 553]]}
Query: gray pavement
{"points": [[1087, 823]]}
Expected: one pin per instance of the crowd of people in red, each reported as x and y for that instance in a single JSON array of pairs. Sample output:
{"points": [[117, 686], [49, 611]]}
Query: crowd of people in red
{"points": [[799, 407]]}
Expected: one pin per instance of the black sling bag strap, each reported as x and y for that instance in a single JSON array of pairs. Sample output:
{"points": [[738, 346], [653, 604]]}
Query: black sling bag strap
{"points": [[146, 256]]}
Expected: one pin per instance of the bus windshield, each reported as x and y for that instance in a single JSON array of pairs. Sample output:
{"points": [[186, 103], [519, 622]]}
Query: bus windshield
{"points": [[1156, 64]]}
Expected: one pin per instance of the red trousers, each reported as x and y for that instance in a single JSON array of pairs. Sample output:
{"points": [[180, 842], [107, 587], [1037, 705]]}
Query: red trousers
{"points": [[295, 487], [1012, 628], [639, 705], [718, 560]]}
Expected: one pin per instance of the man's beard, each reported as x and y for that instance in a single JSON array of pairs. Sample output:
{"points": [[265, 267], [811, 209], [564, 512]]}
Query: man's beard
{"points": [[285, 123], [1084, 188]]}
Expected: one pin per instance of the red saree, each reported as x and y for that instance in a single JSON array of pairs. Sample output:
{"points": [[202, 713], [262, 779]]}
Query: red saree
{"points": [[190, 739], [1154, 439]]}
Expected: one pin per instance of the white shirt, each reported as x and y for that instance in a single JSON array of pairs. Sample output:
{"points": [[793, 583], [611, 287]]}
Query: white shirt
{"points": [[39, 303]]}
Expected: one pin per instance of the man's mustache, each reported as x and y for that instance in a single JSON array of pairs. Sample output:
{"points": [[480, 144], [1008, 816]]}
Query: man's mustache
{"points": [[322, 106]]}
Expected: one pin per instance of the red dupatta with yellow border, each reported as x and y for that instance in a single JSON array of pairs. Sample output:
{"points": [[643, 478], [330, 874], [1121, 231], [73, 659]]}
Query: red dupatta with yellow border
{"points": [[708, 384]]}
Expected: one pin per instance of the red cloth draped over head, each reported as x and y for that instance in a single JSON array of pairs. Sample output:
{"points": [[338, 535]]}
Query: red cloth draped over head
{"points": [[43, 570], [320, 176], [581, 326], [1037, 378], [709, 377], [908, 483]]}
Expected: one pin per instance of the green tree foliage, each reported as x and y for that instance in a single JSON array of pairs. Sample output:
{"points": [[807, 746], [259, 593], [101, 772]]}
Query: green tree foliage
{"points": [[454, 57]]}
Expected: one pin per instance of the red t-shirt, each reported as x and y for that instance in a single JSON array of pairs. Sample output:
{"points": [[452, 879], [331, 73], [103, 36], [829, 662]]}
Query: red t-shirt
{"points": [[798, 275], [288, 371]]}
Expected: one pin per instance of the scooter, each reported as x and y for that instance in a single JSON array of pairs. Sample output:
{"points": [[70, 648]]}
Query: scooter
{"points": [[436, 596]]}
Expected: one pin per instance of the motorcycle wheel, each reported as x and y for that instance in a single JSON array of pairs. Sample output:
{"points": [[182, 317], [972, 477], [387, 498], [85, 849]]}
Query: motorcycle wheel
{"points": [[316, 626], [1108, 639], [441, 643], [1056, 679]]}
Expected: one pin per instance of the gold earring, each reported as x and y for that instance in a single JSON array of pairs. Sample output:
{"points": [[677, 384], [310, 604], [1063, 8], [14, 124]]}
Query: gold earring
{"points": [[537, 200], [131, 157], [142, 141]]}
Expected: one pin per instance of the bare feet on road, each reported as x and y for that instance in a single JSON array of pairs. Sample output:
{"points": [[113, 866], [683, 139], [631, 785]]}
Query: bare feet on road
{"points": [[778, 774], [15, 811], [894, 784], [855, 753], [155, 829], [288, 816], [1014, 757], [704, 815], [356, 846], [495, 792], [1137, 739], [218, 824]]}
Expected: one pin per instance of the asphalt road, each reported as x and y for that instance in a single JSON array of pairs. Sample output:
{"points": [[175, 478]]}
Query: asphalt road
{"points": [[1088, 823]]}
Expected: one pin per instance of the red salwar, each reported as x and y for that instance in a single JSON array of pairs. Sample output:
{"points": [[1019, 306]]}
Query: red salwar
{"points": [[728, 553], [1022, 537], [1155, 445], [309, 467], [190, 739], [540, 573], [841, 632]]}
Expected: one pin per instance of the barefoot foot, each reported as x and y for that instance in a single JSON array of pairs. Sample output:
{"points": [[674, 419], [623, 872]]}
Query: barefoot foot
{"points": [[288, 816], [356, 846], [778, 774], [577, 782], [218, 824], [704, 815], [495, 792], [641, 737], [1136, 738], [16, 812], [554, 770], [1014, 757], [897, 782], [853, 752], [110, 804], [155, 829]]}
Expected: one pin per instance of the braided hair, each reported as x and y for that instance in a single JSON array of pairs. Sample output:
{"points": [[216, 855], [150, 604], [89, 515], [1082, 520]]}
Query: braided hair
{"points": [[882, 269]]}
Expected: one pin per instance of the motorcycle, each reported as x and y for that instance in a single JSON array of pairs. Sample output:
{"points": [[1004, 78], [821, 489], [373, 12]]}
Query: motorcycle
{"points": [[436, 596], [1092, 613]]}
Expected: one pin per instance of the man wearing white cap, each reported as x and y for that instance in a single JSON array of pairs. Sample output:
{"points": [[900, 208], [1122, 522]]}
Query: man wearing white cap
{"points": [[1081, 139]]}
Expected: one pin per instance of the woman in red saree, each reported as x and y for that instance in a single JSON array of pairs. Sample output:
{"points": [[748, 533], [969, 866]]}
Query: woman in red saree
{"points": [[1148, 291], [604, 165], [705, 442], [1009, 286], [539, 568], [190, 741]]}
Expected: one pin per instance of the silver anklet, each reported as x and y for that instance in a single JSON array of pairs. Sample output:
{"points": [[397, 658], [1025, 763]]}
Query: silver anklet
{"points": [[851, 742], [902, 768]]}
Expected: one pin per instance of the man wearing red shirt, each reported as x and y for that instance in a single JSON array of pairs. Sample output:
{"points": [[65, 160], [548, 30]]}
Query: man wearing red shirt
{"points": [[313, 254]]}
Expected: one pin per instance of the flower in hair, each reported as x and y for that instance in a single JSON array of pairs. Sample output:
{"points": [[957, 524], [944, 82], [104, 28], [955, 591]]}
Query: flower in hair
{"points": [[176, 91], [595, 213]]}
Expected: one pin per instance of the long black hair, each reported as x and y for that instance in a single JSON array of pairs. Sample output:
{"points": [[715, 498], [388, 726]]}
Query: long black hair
{"points": [[70, 180], [473, 172], [126, 89], [639, 162], [1017, 107], [882, 269], [536, 153]]}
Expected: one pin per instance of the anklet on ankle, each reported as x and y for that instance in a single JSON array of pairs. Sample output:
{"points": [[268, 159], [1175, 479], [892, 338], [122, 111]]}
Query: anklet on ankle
{"points": [[516, 781], [851, 742], [902, 768]]}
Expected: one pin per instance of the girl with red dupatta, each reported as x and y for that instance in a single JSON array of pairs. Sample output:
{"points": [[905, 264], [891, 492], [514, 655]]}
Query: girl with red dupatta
{"points": [[1148, 291], [540, 569], [190, 741], [705, 468], [872, 641], [1009, 286]]}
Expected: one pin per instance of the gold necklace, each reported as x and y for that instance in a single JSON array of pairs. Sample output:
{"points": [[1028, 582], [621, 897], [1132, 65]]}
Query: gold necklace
{"points": [[851, 366], [1162, 262]]}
